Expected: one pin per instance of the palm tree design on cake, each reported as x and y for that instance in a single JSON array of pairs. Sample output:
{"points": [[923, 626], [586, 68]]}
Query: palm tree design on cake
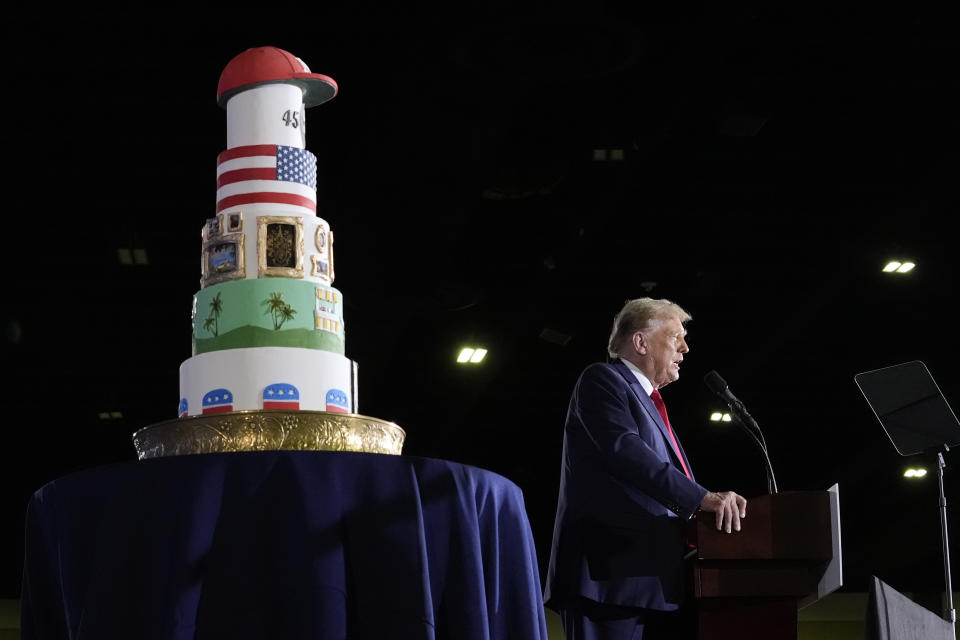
{"points": [[212, 323], [279, 310]]}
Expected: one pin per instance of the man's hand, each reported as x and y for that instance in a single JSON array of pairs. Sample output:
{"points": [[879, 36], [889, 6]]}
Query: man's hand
{"points": [[729, 508]]}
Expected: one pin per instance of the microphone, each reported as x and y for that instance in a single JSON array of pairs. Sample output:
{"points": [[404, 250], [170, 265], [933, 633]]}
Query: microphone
{"points": [[719, 386]]}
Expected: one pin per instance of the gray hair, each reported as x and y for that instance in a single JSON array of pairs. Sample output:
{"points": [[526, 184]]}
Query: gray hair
{"points": [[636, 315]]}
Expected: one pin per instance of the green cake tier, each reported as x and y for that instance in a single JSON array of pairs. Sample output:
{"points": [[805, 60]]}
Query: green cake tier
{"points": [[268, 312]]}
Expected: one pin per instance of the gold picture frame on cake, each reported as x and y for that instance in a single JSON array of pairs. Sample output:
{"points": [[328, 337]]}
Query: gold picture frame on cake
{"points": [[323, 261], [320, 238], [233, 221], [330, 253], [320, 269], [212, 229], [280, 246], [224, 259]]}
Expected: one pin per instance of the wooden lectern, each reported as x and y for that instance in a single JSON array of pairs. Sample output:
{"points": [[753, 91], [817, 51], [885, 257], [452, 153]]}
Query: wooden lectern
{"points": [[785, 557]]}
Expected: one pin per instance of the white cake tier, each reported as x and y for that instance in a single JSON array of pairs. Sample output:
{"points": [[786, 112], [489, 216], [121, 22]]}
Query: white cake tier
{"points": [[267, 378], [267, 114], [266, 241]]}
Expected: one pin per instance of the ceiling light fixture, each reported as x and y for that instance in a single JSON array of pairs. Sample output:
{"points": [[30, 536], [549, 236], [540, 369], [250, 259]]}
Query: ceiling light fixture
{"points": [[609, 155], [895, 266], [128, 256], [471, 355]]}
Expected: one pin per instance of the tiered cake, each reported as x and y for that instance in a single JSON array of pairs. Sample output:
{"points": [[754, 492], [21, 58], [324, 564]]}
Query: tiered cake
{"points": [[268, 330]]}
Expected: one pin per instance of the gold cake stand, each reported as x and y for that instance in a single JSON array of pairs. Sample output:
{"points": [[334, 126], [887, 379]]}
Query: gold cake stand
{"points": [[266, 430]]}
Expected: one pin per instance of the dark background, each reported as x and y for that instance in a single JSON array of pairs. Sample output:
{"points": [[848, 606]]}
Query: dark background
{"points": [[774, 159]]}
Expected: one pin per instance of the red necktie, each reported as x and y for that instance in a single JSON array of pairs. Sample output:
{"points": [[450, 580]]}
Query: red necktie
{"points": [[662, 408]]}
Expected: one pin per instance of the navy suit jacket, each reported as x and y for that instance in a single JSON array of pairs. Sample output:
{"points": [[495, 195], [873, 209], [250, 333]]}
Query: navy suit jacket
{"points": [[624, 504]]}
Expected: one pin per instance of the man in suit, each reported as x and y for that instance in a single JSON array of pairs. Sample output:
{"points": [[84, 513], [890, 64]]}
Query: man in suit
{"points": [[626, 489]]}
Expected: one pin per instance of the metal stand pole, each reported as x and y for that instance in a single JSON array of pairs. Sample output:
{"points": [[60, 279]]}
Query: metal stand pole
{"points": [[950, 613], [750, 425]]}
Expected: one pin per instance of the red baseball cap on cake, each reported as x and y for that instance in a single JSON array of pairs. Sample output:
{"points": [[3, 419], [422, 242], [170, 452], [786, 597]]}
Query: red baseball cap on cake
{"points": [[265, 65]]}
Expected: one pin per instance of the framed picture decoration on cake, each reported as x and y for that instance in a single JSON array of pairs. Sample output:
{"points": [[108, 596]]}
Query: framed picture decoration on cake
{"points": [[320, 237], [234, 222], [320, 269], [223, 259], [212, 229], [280, 246], [323, 260], [330, 252]]}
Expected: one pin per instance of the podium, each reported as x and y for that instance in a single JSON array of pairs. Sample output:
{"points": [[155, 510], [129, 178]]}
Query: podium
{"points": [[786, 556]]}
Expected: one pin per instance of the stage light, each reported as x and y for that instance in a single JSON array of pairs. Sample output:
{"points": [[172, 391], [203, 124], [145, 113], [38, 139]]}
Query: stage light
{"points": [[472, 355], [718, 416], [609, 155], [895, 266], [914, 473], [132, 256]]}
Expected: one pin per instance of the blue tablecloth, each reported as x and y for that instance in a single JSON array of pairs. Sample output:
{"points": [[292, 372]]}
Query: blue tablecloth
{"points": [[281, 544]]}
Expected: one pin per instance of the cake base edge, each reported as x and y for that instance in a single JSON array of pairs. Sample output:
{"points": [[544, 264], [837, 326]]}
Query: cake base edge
{"points": [[266, 430]]}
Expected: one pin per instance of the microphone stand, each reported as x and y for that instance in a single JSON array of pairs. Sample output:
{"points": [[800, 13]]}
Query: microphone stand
{"points": [[950, 614], [745, 420]]}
